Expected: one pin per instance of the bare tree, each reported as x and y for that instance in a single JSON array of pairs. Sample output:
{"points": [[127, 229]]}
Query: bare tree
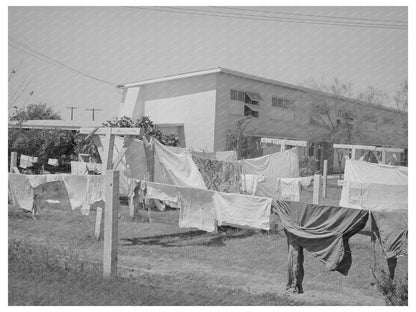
{"points": [[401, 101], [373, 95], [342, 120]]}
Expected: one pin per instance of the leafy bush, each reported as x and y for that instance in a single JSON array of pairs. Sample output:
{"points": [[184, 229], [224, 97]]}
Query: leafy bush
{"points": [[64, 145], [82, 145], [42, 143], [34, 111], [149, 129], [238, 140]]}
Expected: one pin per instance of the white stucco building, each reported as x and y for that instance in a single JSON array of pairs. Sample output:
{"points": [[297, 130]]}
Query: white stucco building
{"points": [[208, 102]]}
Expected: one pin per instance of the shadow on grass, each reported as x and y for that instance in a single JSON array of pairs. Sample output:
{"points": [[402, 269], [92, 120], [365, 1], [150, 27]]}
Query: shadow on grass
{"points": [[191, 238]]}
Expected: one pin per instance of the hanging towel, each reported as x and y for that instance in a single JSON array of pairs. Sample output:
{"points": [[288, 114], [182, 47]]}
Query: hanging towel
{"points": [[197, 209], [179, 168], [243, 210], [163, 192], [25, 161], [374, 186], [278, 165], [53, 162]]}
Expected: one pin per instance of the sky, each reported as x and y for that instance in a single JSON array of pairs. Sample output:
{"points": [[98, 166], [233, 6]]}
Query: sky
{"points": [[123, 44]]}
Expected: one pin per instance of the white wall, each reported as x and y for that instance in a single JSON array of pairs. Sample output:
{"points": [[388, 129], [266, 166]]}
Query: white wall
{"points": [[132, 103], [190, 101]]}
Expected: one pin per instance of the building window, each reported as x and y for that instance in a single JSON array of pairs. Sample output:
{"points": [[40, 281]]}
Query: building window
{"points": [[250, 112], [280, 102], [233, 95], [240, 96], [246, 97]]}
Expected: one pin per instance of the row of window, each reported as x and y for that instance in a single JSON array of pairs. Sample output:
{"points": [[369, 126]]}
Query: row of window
{"points": [[254, 98], [280, 102]]}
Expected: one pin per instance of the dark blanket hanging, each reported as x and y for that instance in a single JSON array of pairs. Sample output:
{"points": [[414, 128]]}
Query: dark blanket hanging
{"points": [[322, 230]]}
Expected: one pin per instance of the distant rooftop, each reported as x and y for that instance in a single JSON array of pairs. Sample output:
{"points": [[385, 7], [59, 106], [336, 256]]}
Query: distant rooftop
{"points": [[68, 124], [248, 76]]}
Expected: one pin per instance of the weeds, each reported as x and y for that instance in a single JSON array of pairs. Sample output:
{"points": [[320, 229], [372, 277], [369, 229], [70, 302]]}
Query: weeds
{"points": [[395, 293]]}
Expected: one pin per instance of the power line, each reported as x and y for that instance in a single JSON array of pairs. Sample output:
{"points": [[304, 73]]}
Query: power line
{"points": [[309, 21], [272, 19], [50, 60], [312, 15], [17, 90], [14, 100]]}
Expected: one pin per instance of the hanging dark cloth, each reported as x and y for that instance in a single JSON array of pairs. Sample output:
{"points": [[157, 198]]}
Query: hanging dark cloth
{"points": [[322, 230], [391, 228]]}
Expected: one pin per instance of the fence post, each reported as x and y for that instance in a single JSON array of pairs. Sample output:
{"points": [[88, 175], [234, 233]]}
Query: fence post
{"points": [[324, 181], [383, 157], [99, 224], [111, 223], [353, 152], [107, 161], [316, 189], [13, 161]]}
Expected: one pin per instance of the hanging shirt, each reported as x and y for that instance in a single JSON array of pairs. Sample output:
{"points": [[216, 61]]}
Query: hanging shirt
{"points": [[288, 189], [249, 182]]}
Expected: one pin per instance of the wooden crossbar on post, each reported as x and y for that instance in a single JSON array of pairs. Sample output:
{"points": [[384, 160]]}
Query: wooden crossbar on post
{"points": [[110, 257], [316, 189]]}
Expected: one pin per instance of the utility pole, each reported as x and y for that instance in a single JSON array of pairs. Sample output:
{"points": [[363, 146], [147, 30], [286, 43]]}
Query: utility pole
{"points": [[72, 111], [93, 111]]}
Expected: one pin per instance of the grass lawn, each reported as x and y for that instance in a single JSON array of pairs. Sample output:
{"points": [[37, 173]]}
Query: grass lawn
{"points": [[161, 264]]}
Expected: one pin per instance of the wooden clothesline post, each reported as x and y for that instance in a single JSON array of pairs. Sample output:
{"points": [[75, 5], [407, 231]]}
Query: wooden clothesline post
{"points": [[324, 180], [111, 188], [110, 257], [13, 161], [316, 189]]}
